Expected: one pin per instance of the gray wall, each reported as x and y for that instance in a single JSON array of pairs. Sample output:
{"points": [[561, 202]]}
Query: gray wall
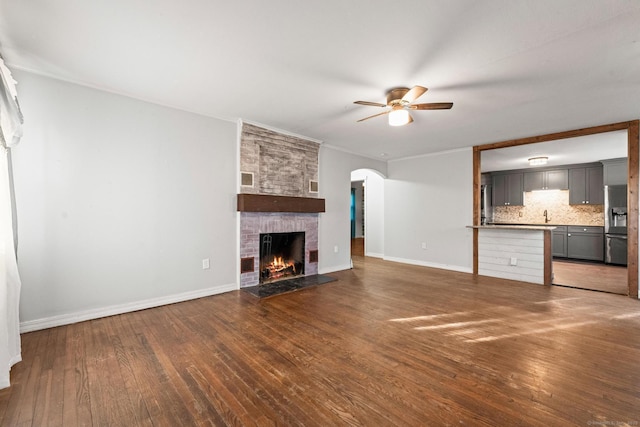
{"points": [[428, 199], [335, 187], [119, 201]]}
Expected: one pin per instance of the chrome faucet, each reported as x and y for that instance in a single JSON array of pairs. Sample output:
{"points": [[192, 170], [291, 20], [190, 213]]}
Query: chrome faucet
{"points": [[546, 217]]}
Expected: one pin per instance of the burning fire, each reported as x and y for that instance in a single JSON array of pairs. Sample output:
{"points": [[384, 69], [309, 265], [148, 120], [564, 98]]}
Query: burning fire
{"points": [[280, 268]]}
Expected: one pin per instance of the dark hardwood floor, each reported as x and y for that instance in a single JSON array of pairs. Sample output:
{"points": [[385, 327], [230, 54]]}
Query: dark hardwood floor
{"points": [[386, 345]]}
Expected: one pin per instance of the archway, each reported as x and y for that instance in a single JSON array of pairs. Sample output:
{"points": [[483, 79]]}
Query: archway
{"points": [[367, 213]]}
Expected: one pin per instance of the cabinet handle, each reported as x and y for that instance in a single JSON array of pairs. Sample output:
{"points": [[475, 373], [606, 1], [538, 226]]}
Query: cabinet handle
{"points": [[569, 235]]}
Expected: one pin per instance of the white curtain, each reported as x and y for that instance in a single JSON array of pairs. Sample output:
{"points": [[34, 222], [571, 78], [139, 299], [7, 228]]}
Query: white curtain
{"points": [[10, 133]]}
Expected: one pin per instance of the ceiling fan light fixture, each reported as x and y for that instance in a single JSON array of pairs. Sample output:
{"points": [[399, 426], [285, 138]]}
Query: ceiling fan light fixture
{"points": [[398, 117], [538, 161]]}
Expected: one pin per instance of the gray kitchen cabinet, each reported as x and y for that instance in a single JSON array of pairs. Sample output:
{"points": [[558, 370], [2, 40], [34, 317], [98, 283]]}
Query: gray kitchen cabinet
{"points": [[559, 242], [615, 171], [507, 189], [585, 243], [546, 180], [586, 186]]}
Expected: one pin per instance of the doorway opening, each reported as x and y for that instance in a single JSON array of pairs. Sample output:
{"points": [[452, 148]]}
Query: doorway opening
{"points": [[630, 179], [367, 213]]}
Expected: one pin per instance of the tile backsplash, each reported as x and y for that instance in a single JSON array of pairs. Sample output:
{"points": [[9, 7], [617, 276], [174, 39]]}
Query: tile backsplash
{"points": [[559, 211]]}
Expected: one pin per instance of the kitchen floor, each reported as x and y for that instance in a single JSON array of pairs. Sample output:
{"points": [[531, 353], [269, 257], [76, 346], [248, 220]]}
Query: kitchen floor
{"points": [[585, 275]]}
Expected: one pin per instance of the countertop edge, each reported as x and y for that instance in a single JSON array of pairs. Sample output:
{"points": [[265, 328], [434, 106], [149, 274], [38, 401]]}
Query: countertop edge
{"points": [[513, 227]]}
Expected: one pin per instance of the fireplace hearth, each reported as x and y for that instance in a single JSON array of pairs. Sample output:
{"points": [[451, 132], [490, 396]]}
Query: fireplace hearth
{"points": [[281, 256]]}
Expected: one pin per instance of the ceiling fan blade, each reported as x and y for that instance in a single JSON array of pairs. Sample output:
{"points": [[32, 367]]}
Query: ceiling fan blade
{"points": [[372, 104], [410, 119], [414, 93], [432, 106], [375, 115]]}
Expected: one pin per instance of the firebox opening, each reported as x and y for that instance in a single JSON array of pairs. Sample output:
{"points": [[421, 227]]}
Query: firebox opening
{"points": [[281, 256]]}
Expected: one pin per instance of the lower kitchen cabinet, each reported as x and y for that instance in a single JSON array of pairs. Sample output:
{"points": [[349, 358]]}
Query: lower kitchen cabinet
{"points": [[559, 242], [585, 243]]}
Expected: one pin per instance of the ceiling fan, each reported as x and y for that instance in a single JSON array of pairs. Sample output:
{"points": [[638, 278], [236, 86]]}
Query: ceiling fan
{"points": [[400, 102]]}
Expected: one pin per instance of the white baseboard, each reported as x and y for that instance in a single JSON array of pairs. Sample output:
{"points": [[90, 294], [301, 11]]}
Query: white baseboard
{"points": [[374, 255], [333, 269], [450, 267], [81, 316]]}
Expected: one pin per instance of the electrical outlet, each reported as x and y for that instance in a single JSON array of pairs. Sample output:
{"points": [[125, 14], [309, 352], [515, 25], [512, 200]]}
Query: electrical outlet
{"points": [[205, 264], [424, 245], [335, 249], [513, 261]]}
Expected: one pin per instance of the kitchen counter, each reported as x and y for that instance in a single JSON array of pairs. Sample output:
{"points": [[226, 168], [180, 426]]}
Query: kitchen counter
{"points": [[515, 252], [544, 225], [513, 227]]}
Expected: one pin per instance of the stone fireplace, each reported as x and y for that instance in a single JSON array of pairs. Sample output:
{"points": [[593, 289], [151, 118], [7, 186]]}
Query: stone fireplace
{"points": [[278, 206]]}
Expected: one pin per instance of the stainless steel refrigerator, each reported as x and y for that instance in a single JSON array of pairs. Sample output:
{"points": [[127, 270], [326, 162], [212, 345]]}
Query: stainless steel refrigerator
{"points": [[486, 210], [615, 224]]}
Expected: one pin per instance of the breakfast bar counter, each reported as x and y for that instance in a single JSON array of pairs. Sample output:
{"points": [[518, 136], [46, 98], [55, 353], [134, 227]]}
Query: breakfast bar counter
{"points": [[516, 252]]}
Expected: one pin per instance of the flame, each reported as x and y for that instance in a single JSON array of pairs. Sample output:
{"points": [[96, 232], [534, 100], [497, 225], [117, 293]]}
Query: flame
{"points": [[279, 267]]}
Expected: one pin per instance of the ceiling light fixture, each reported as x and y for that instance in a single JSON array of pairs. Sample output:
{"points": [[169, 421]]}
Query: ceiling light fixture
{"points": [[538, 161], [398, 117]]}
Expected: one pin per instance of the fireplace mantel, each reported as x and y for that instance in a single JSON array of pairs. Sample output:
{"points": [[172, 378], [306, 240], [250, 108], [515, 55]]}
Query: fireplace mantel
{"points": [[273, 203]]}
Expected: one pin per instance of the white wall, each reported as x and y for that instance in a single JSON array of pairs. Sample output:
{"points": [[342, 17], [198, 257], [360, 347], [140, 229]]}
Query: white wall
{"points": [[119, 201], [335, 187], [373, 211], [428, 199]]}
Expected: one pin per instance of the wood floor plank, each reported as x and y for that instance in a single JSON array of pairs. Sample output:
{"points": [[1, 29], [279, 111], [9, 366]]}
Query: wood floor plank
{"points": [[49, 400], [160, 394], [30, 390], [139, 414], [386, 344], [77, 401], [11, 398]]}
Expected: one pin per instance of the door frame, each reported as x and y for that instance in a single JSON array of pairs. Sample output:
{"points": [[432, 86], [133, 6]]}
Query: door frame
{"points": [[633, 163]]}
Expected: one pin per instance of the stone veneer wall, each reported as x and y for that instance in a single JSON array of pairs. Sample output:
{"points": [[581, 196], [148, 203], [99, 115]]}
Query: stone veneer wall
{"points": [[281, 164], [558, 209], [252, 224]]}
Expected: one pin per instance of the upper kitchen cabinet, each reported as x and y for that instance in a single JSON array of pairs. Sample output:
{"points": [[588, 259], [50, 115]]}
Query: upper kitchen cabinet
{"points": [[507, 189], [546, 180], [615, 171], [586, 186]]}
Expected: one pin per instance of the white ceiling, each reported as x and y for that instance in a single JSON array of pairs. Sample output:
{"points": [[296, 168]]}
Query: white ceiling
{"points": [[512, 68]]}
